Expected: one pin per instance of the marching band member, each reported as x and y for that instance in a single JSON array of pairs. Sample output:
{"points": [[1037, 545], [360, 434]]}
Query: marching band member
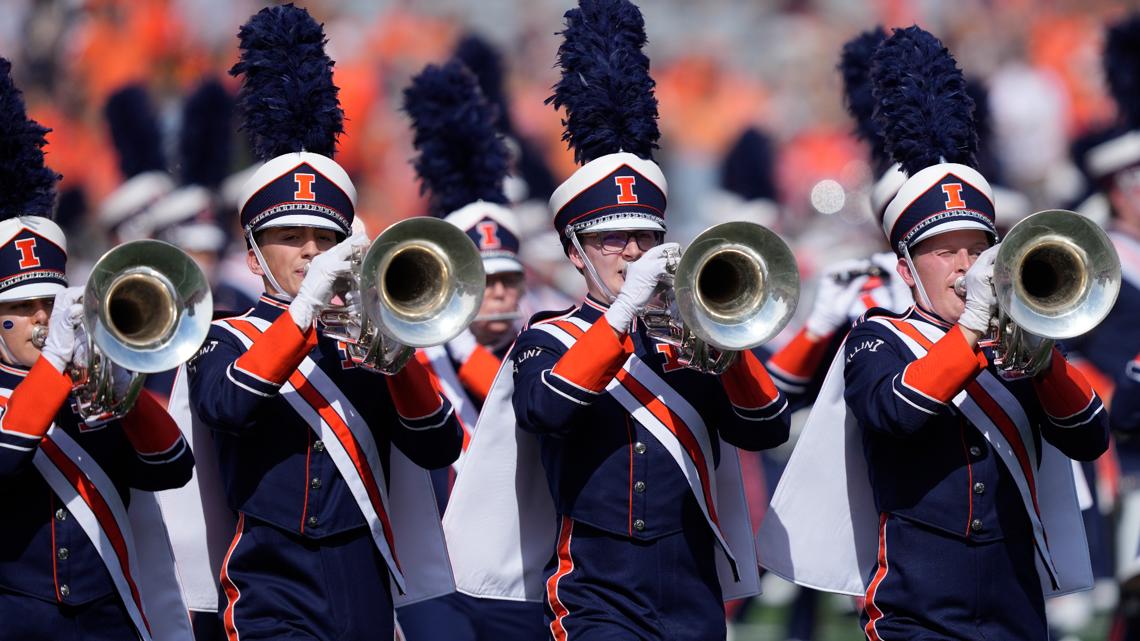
{"points": [[848, 288], [643, 491], [462, 164], [1112, 346], [71, 570], [951, 504], [309, 445]]}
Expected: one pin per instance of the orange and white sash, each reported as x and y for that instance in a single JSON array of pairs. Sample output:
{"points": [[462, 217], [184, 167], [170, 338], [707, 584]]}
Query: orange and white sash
{"points": [[153, 603], [439, 363], [349, 442], [821, 530], [509, 564]]}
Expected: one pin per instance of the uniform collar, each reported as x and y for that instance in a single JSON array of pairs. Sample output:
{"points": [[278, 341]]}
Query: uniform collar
{"points": [[917, 313], [15, 370], [591, 309], [270, 307]]}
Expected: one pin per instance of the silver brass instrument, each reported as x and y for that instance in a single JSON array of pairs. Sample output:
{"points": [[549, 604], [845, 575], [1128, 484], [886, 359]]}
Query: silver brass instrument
{"points": [[418, 284], [1056, 276], [147, 308], [734, 288]]}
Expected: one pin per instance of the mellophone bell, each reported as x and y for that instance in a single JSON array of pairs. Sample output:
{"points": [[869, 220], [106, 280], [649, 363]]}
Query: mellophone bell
{"points": [[77, 434]]}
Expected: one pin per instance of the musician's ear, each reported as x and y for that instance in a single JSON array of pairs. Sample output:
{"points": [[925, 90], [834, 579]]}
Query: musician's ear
{"points": [[252, 264], [576, 258], [903, 268]]}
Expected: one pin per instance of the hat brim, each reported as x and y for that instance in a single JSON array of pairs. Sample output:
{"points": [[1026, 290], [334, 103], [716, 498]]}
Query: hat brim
{"points": [[622, 223], [302, 220], [501, 265], [954, 225], [30, 291]]}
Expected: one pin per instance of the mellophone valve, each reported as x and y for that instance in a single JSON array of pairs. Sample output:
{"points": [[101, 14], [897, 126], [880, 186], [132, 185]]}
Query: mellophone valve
{"points": [[420, 283], [734, 288], [147, 308]]}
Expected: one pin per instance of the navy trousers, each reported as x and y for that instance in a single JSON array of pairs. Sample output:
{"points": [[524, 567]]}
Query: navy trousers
{"points": [[927, 585], [26, 618], [278, 585], [605, 587], [459, 617]]}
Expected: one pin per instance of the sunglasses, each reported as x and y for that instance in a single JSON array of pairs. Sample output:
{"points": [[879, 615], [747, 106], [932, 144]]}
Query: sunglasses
{"points": [[613, 242]]}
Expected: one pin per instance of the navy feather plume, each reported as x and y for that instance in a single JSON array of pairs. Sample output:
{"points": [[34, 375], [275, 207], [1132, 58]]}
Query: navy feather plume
{"points": [[135, 131], [749, 168], [206, 141], [1122, 68], [605, 88], [855, 68], [288, 102], [30, 185], [921, 104], [484, 61], [462, 156]]}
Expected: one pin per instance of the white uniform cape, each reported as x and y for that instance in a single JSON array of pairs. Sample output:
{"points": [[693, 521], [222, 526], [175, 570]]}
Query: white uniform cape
{"points": [[439, 362], [203, 526], [821, 530], [132, 543], [500, 522]]}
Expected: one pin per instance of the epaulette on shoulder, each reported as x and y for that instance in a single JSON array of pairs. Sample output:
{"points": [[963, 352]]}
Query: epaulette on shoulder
{"points": [[547, 315]]}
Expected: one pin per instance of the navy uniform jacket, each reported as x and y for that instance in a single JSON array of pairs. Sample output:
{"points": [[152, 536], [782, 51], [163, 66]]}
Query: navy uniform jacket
{"points": [[927, 463], [605, 469], [44, 552], [272, 465]]}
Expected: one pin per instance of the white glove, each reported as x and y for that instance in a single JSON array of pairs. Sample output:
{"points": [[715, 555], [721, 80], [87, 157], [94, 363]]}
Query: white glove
{"points": [[641, 278], [461, 346], [981, 300], [834, 298], [63, 328], [317, 289]]}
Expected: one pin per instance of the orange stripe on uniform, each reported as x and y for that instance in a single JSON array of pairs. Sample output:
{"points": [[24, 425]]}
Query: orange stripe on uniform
{"points": [[413, 391], [677, 426], [748, 384], [94, 499], [874, 614], [1005, 424], [801, 357], [1062, 389], [947, 366], [592, 362], [565, 566], [478, 372], [149, 427], [36, 400], [228, 585], [281, 351]]}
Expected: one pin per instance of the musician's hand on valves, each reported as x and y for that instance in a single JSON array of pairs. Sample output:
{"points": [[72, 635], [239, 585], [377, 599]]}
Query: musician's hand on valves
{"points": [[641, 279], [63, 328], [317, 288], [981, 299], [835, 296]]}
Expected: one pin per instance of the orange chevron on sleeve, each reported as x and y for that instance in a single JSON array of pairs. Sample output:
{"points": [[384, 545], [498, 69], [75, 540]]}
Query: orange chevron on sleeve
{"points": [[801, 356], [278, 352], [148, 427], [35, 401], [747, 383], [1062, 389], [592, 362], [413, 391], [949, 364], [478, 372]]}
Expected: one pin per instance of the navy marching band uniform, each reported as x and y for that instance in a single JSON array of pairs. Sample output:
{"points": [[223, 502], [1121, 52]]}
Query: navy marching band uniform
{"points": [[634, 541], [306, 439]]}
